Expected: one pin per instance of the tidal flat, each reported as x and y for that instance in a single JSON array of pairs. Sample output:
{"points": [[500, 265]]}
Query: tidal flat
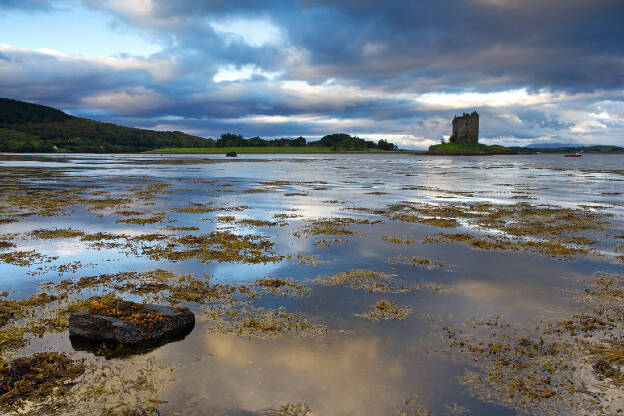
{"points": [[328, 284]]}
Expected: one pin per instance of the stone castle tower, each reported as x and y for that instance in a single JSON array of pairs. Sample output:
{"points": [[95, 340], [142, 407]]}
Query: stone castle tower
{"points": [[466, 128]]}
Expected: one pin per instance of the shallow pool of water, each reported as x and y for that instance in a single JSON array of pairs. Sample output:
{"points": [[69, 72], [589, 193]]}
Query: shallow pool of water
{"points": [[354, 366]]}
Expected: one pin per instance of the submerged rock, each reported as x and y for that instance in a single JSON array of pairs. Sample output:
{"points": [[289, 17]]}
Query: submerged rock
{"points": [[166, 322], [231, 154]]}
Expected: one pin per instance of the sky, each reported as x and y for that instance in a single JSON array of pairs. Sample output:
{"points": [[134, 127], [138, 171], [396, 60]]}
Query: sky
{"points": [[537, 71]]}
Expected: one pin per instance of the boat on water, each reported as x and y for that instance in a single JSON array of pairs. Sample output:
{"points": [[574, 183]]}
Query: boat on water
{"points": [[574, 155]]}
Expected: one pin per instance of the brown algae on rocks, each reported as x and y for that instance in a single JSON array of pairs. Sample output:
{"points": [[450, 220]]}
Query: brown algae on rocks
{"points": [[130, 312]]}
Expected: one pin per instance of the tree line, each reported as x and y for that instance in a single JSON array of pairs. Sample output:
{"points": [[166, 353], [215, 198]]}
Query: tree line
{"points": [[338, 141]]}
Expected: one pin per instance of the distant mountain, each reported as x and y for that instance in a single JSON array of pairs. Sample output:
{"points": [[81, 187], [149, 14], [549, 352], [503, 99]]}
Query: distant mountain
{"points": [[573, 149], [552, 145], [27, 127]]}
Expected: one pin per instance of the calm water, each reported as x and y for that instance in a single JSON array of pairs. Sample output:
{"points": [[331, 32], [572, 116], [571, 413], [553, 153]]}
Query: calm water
{"points": [[359, 367]]}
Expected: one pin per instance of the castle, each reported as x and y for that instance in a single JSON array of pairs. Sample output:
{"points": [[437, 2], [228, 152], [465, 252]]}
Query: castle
{"points": [[466, 128]]}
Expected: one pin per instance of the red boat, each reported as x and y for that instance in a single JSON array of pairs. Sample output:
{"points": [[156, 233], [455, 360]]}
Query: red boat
{"points": [[574, 155]]}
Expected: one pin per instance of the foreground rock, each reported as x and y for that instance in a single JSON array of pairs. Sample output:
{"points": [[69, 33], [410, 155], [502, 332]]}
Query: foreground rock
{"points": [[152, 325]]}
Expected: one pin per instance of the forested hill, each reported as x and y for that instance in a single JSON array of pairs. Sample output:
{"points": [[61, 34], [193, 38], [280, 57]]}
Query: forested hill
{"points": [[20, 112], [26, 127]]}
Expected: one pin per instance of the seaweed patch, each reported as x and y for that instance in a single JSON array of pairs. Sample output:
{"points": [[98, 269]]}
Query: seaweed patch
{"points": [[26, 258], [369, 280], [36, 377], [291, 409], [56, 233], [281, 286], [260, 322], [417, 261], [547, 368], [397, 240], [385, 310]]}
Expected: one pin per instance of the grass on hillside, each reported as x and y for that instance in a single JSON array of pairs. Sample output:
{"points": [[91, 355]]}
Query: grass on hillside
{"points": [[468, 148], [9, 134], [17, 141], [223, 150]]}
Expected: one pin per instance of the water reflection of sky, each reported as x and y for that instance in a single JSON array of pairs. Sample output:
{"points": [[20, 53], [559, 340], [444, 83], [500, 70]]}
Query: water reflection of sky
{"points": [[360, 367]]}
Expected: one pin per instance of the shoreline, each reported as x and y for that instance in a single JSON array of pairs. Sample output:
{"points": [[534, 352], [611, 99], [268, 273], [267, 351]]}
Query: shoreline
{"points": [[270, 150], [394, 152]]}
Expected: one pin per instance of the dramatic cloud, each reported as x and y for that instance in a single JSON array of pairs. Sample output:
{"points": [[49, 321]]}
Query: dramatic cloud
{"points": [[535, 70]]}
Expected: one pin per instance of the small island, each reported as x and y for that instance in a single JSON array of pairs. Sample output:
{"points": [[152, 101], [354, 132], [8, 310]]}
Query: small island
{"points": [[465, 140]]}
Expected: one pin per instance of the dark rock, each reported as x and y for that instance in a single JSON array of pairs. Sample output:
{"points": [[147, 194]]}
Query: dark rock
{"points": [[114, 349], [99, 328], [231, 154]]}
